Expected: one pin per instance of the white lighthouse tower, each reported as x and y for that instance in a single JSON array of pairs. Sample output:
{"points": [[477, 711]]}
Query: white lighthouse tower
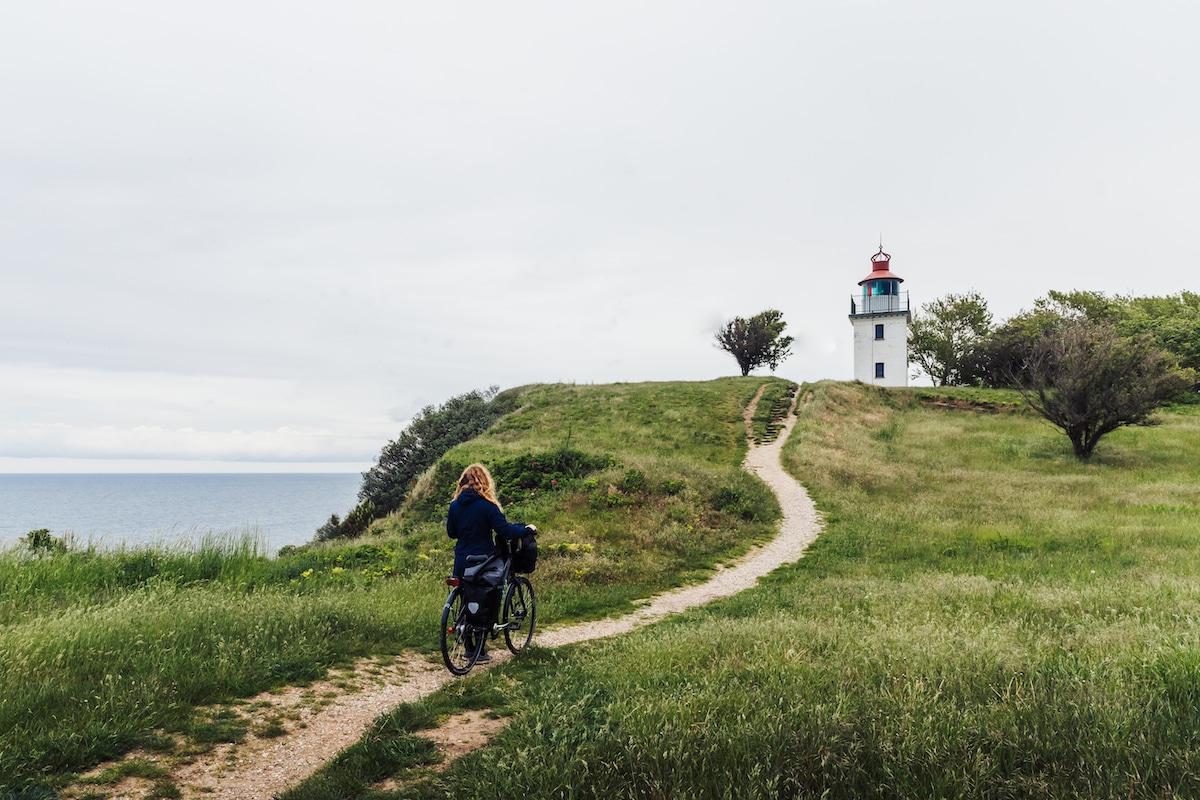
{"points": [[879, 314]]}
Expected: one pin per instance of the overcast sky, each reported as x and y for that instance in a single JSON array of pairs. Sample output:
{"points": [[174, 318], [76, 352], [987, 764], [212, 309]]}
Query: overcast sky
{"points": [[261, 236]]}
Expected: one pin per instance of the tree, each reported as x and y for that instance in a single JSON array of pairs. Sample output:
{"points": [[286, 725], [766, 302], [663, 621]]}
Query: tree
{"points": [[1087, 379], [1172, 322], [757, 341], [945, 338], [1001, 356], [426, 438]]}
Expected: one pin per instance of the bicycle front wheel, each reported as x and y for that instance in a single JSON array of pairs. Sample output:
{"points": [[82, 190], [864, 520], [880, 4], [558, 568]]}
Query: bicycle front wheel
{"points": [[461, 645], [519, 614]]}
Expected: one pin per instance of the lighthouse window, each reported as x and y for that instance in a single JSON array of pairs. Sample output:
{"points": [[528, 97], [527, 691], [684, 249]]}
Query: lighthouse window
{"points": [[878, 369], [878, 331]]}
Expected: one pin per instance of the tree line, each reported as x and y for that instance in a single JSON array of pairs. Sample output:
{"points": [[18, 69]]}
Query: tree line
{"points": [[1087, 362], [426, 438]]}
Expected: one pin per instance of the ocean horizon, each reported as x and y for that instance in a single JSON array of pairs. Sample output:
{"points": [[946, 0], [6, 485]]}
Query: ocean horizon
{"points": [[132, 509]]}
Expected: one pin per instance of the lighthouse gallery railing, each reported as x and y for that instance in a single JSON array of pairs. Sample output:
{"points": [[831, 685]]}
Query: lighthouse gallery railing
{"points": [[878, 304]]}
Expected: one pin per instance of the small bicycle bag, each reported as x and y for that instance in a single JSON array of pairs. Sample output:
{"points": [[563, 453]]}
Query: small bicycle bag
{"points": [[524, 553]]}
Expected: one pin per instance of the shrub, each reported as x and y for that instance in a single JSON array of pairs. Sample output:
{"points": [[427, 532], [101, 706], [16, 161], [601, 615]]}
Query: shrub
{"points": [[517, 479], [330, 530], [634, 482], [736, 501], [672, 486], [42, 542], [355, 523]]}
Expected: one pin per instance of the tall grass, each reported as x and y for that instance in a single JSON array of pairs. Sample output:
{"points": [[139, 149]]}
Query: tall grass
{"points": [[102, 649], [983, 616], [40, 583], [89, 682]]}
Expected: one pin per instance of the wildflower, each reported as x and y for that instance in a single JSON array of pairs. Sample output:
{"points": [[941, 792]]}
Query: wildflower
{"points": [[337, 570], [307, 573]]}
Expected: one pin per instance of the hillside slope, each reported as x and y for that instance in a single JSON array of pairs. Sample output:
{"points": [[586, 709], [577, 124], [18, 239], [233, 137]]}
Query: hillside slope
{"points": [[103, 652], [983, 616]]}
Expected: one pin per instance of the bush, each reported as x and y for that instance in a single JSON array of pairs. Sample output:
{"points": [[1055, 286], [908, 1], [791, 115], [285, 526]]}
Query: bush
{"points": [[517, 479], [733, 501], [634, 482], [521, 477], [355, 523], [42, 542]]}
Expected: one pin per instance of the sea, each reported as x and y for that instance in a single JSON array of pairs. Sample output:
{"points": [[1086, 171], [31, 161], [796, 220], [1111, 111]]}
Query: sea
{"points": [[130, 510]]}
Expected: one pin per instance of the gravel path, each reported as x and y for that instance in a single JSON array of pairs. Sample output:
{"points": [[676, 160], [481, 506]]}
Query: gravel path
{"points": [[262, 768]]}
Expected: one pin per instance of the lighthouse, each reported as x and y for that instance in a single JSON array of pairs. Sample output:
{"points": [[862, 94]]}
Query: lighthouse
{"points": [[879, 314]]}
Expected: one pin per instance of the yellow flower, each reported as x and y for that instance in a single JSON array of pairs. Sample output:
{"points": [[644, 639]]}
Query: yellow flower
{"points": [[307, 573], [337, 570]]}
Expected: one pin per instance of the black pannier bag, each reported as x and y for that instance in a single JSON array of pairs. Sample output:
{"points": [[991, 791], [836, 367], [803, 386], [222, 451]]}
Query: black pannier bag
{"points": [[524, 553], [481, 588]]}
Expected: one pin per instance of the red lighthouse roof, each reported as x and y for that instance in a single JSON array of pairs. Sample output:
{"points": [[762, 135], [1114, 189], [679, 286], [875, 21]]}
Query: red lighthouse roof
{"points": [[879, 268]]}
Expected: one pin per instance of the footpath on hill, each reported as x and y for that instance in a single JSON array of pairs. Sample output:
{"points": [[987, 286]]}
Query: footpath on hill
{"points": [[333, 714]]}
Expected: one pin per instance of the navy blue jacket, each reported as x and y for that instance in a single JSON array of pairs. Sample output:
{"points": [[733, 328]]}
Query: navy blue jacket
{"points": [[471, 520]]}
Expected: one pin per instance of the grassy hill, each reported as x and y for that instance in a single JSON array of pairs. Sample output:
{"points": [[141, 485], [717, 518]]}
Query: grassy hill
{"points": [[104, 651], [983, 616]]}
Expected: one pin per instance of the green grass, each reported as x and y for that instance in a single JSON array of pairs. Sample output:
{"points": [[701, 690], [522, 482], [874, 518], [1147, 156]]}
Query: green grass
{"points": [[101, 650], [674, 505], [983, 616]]}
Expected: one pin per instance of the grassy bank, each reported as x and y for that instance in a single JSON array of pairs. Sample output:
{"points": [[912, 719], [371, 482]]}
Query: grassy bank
{"points": [[983, 616], [104, 651]]}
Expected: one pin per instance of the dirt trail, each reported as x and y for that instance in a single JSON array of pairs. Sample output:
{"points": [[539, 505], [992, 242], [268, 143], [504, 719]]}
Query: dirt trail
{"points": [[262, 768]]}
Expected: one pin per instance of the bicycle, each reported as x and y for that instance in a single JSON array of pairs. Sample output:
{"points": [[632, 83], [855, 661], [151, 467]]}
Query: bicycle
{"points": [[463, 641]]}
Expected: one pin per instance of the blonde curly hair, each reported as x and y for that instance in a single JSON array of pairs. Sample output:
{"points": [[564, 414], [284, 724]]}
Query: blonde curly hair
{"points": [[478, 478]]}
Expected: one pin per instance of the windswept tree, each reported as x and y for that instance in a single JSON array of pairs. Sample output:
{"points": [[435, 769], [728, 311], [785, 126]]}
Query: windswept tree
{"points": [[1087, 379], [944, 338], [756, 342]]}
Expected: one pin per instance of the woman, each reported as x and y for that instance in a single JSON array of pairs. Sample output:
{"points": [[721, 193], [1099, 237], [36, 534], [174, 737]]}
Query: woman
{"points": [[474, 514]]}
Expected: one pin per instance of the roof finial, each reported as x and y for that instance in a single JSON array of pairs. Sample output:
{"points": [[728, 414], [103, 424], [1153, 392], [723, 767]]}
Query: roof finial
{"points": [[880, 257]]}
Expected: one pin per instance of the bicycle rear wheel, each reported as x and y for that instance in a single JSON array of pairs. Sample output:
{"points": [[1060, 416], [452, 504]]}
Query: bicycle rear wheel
{"points": [[461, 645], [519, 614]]}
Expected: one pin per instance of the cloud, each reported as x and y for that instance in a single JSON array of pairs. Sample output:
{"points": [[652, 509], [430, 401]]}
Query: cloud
{"points": [[231, 218]]}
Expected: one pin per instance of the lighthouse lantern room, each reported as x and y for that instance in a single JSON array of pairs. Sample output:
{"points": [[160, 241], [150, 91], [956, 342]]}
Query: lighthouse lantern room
{"points": [[879, 314]]}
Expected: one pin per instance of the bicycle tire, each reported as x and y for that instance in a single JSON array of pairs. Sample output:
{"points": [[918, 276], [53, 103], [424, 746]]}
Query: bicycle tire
{"points": [[456, 655], [519, 615]]}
